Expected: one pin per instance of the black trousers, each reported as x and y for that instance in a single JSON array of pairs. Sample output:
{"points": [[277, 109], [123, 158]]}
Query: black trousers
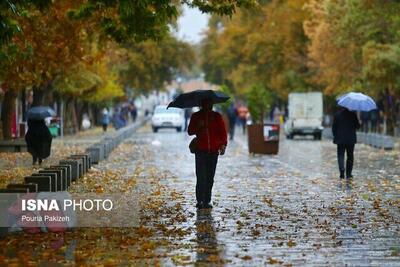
{"points": [[243, 122], [349, 149], [232, 125], [206, 164]]}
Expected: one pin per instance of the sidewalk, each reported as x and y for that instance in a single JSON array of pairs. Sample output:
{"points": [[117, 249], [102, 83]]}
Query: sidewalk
{"points": [[15, 166]]}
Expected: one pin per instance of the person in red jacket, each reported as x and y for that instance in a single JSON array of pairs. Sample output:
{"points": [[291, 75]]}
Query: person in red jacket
{"points": [[209, 128]]}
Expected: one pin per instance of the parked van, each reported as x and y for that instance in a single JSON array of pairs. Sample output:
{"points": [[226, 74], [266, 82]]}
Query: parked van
{"points": [[305, 115]]}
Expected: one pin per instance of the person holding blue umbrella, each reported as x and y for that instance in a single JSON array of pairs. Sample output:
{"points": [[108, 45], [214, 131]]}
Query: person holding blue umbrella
{"points": [[344, 127]]}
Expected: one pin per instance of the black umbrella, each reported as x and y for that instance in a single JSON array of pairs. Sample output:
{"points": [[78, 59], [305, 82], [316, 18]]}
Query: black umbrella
{"points": [[193, 99], [39, 113]]}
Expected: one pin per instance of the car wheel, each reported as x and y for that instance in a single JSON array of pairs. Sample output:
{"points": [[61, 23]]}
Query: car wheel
{"points": [[155, 129], [179, 129], [317, 136], [289, 136]]}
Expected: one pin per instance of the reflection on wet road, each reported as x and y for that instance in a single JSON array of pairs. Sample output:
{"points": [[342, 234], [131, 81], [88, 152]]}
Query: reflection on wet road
{"points": [[290, 208]]}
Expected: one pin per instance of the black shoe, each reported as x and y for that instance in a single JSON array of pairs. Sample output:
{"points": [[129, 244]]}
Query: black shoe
{"points": [[341, 175], [207, 206], [349, 176], [199, 205]]}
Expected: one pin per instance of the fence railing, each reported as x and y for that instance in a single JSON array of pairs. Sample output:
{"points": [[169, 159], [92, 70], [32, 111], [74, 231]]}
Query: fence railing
{"points": [[381, 141]]}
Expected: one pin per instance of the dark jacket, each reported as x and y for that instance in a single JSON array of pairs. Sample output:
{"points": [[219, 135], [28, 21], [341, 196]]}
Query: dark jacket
{"points": [[345, 124], [232, 114], [38, 139]]}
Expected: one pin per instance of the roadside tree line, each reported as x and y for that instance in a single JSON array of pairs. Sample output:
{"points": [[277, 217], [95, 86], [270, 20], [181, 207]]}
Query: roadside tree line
{"points": [[302, 45], [86, 53]]}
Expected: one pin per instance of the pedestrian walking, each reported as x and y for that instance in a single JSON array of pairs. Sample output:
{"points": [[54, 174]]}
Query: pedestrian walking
{"points": [[243, 114], [118, 119], [188, 113], [365, 117], [345, 124], [86, 122], [374, 116], [133, 111], [38, 139], [232, 117], [105, 119], [210, 141]]}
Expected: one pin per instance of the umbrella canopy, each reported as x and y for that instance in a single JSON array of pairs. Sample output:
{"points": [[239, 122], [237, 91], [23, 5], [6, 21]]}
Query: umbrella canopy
{"points": [[357, 102], [39, 113], [193, 99]]}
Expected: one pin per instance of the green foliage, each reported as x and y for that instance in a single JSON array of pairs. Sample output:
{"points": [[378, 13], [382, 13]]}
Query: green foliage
{"points": [[146, 19], [382, 64], [152, 64], [265, 45], [354, 42], [76, 81], [9, 8], [259, 99], [220, 7], [226, 90]]}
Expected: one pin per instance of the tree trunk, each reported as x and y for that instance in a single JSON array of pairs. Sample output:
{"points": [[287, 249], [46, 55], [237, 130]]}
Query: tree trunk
{"points": [[262, 116], [74, 117], [79, 107], [38, 96], [389, 110], [23, 101], [42, 95], [95, 114], [68, 120], [7, 113]]}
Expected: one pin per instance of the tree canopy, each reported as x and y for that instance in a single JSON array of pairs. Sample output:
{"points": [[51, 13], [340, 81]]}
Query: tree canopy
{"points": [[264, 45], [296, 45]]}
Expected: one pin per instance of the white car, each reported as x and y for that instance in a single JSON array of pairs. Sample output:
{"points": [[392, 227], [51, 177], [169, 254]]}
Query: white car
{"points": [[167, 118]]}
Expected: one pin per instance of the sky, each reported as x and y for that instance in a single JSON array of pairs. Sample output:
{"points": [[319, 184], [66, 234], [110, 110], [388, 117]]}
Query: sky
{"points": [[191, 24]]}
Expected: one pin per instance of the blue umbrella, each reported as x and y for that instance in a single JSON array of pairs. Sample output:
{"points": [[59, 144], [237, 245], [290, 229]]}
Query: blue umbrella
{"points": [[357, 102], [39, 113]]}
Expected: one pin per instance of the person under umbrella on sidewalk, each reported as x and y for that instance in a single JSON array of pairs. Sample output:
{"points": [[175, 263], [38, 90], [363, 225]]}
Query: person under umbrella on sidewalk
{"points": [[38, 139], [345, 124], [211, 141]]}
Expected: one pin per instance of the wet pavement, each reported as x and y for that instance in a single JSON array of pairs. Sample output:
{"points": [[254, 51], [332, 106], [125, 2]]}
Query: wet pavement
{"points": [[290, 209]]}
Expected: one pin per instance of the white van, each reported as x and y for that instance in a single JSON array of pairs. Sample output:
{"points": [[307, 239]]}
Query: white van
{"points": [[305, 115]]}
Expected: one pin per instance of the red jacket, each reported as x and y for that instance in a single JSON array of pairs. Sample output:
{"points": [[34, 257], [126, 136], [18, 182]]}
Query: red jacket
{"points": [[213, 135]]}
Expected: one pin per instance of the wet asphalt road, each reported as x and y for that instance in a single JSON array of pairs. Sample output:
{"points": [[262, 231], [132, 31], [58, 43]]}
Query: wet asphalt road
{"points": [[289, 209]]}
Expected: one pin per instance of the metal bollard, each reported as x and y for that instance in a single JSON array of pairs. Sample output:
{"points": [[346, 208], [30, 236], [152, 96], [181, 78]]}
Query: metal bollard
{"points": [[388, 142]]}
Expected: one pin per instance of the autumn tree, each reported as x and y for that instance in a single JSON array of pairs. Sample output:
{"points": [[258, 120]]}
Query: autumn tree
{"points": [[49, 44], [354, 46], [11, 8], [150, 64], [46, 43], [266, 45]]}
